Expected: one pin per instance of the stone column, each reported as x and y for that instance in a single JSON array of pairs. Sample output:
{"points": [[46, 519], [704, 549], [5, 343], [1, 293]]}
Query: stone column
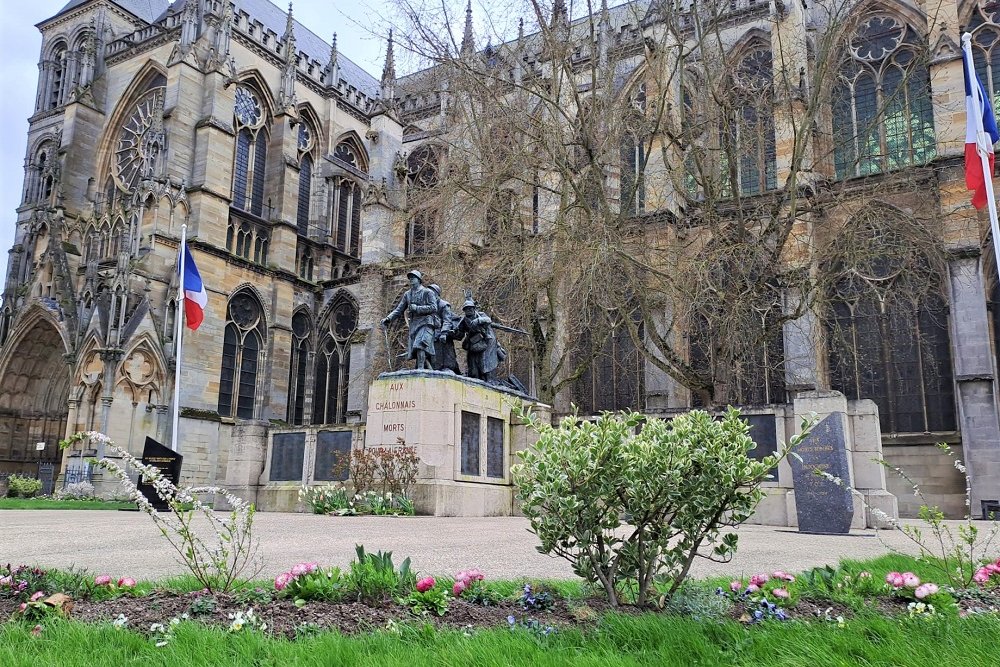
{"points": [[975, 384], [246, 459]]}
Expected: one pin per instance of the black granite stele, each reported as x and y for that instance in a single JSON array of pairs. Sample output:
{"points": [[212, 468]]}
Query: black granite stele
{"points": [[169, 463], [822, 505], [288, 451], [333, 453]]}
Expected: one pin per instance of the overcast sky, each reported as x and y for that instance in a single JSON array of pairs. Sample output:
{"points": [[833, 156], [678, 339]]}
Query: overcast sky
{"points": [[358, 24]]}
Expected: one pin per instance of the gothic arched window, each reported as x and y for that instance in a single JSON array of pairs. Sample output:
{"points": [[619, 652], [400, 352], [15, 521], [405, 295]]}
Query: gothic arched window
{"points": [[348, 194], [57, 82], [301, 328], [633, 158], [887, 331], [333, 365], [139, 142], [882, 115], [423, 166], [242, 354], [748, 131], [985, 29], [305, 178], [250, 156], [613, 379]]}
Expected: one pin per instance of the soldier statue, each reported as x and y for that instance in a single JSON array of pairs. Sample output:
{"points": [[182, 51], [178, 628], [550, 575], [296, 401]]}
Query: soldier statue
{"points": [[483, 351], [444, 346], [421, 304]]}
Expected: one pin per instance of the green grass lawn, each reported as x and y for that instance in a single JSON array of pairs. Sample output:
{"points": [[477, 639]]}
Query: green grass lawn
{"points": [[865, 639], [47, 504], [649, 639]]}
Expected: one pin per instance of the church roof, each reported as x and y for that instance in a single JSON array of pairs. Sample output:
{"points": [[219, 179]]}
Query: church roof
{"points": [[308, 42], [147, 10]]}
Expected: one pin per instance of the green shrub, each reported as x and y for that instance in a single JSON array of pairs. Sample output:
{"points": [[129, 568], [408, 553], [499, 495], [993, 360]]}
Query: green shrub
{"points": [[328, 584], [374, 578], [23, 487], [628, 500]]}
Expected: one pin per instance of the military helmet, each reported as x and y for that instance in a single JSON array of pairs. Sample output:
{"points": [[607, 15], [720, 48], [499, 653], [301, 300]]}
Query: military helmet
{"points": [[419, 276], [469, 303], [436, 288]]}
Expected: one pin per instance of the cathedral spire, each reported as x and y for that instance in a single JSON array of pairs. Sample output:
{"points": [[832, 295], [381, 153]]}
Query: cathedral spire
{"points": [[468, 42], [389, 74], [333, 66], [560, 16], [286, 97]]}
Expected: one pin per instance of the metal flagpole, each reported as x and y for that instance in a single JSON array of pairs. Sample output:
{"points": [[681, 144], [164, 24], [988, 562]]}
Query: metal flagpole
{"points": [[983, 140], [178, 334]]}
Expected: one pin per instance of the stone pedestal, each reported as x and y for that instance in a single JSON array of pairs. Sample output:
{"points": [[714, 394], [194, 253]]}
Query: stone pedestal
{"points": [[464, 433]]}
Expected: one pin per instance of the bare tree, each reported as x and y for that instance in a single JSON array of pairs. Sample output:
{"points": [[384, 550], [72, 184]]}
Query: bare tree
{"points": [[662, 175]]}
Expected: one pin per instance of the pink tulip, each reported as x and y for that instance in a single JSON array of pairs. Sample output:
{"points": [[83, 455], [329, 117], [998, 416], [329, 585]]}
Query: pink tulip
{"points": [[282, 580], [992, 568], [299, 569], [425, 584], [458, 588], [102, 580], [312, 567], [735, 585], [981, 576], [38, 595], [925, 590], [910, 580], [894, 579], [780, 593], [126, 582], [759, 579]]}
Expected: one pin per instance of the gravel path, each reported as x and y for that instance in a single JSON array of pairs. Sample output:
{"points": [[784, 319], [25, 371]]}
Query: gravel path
{"points": [[127, 543]]}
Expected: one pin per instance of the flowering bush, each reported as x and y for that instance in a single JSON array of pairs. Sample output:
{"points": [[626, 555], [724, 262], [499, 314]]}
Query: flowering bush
{"points": [[76, 491], [988, 575], [221, 557], [957, 554], [624, 504], [308, 581], [760, 596], [333, 499], [394, 469], [907, 586], [535, 600], [427, 599], [21, 581]]}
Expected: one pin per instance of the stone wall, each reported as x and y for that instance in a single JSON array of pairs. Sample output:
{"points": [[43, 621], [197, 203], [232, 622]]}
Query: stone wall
{"points": [[934, 473]]}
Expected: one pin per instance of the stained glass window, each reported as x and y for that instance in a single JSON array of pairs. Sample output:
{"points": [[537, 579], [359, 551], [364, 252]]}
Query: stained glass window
{"points": [[333, 364], [882, 116], [242, 352], [250, 156]]}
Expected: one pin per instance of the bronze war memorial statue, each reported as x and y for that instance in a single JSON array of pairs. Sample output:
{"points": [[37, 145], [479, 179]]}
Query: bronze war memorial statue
{"points": [[434, 329]]}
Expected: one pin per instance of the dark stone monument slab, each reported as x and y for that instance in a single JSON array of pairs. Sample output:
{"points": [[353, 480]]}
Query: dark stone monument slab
{"points": [[823, 506], [288, 451], [333, 451], [470, 443], [167, 461], [494, 447]]}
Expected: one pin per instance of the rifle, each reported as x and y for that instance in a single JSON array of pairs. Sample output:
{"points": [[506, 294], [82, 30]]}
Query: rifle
{"points": [[503, 327]]}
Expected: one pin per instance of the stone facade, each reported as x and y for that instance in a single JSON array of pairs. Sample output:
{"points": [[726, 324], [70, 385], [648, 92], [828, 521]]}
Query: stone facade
{"points": [[290, 167]]}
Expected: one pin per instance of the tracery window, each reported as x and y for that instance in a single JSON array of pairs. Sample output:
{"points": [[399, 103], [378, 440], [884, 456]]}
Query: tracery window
{"points": [[985, 29], [882, 115], [333, 365], [748, 132], [305, 147], [614, 377], [139, 142], [250, 157], [633, 158], [423, 166], [348, 194], [887, 334], [305, 261], [242, 356], [247, 239], [301, 328]]}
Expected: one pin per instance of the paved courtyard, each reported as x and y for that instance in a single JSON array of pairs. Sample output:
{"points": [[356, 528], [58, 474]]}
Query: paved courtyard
{"points": [[127, 543]]}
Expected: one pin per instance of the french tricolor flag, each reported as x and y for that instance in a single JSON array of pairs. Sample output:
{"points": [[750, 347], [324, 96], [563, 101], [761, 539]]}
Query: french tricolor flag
{"points": [[980, 129], [195, 296]]}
